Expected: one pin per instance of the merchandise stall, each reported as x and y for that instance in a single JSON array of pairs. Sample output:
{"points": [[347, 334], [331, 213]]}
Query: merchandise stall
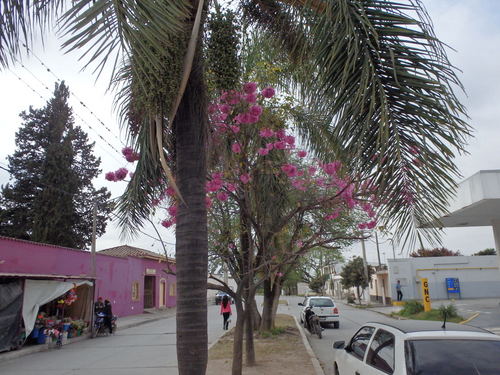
{"points": [[42, 310]]}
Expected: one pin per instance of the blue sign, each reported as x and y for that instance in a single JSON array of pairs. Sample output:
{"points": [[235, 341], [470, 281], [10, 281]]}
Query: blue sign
{"points": [[452, 285]]}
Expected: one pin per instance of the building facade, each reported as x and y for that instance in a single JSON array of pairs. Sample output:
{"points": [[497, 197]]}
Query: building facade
{"points": [[477, 276], [133, 279]]}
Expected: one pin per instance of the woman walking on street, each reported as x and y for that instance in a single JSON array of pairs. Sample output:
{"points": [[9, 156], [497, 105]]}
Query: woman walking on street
{"points": [[225, 310]]}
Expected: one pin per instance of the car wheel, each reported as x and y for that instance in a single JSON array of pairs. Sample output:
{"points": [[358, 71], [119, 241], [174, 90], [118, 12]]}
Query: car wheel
{"points": [[335, 369], [336, 325]]}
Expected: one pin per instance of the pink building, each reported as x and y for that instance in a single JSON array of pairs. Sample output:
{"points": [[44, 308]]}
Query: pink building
{"points": [[132, 279]]}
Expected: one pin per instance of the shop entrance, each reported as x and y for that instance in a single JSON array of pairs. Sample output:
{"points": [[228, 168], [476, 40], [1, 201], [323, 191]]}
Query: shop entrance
{"points": [[149, 292], [163, 290]]}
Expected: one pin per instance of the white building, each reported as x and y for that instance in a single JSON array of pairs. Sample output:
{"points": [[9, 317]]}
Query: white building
{"points": [[478, 276]]}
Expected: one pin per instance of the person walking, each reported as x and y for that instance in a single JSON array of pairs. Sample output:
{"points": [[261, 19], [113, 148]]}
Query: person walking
{"points": [[108, 319], [398, 291], [225, 310]]}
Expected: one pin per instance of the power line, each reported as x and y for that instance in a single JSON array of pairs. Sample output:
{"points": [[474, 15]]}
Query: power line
{"points": [[76, 114], [82, 103]]}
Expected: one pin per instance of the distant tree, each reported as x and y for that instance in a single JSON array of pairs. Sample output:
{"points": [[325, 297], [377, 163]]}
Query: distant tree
{"points": [[353, 275], [317, 284], [436, 252], [488, 251], [50, 195]]}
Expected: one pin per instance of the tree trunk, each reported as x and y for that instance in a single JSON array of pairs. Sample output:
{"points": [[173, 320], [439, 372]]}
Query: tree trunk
{"points": [[359, 295], [191, 232], [237, 365], [255, 314], [249, 347], [271, 301]]}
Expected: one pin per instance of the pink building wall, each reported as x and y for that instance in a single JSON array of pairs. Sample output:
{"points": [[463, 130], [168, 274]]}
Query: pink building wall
{"points": [[115, 275]]}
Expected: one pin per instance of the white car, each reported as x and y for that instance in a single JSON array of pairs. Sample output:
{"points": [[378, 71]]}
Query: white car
{"points": [[324, 308], [410, 347]]}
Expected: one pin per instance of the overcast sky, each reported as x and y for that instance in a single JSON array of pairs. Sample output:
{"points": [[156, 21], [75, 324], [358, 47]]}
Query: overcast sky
{"points": [[470, 27]]}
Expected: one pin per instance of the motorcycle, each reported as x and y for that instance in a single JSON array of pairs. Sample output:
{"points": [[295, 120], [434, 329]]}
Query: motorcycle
{"points": [[312, 323], [99, 328]]}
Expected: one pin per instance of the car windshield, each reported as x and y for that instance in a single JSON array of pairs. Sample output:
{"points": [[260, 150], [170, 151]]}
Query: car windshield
{"points": [[457, 357], [321, 302]]}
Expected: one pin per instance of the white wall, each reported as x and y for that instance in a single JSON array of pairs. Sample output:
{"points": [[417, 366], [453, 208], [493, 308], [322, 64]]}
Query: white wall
{"points": [[479, 276]]}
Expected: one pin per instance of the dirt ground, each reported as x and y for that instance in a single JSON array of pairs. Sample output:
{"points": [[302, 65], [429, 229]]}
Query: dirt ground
{"points": [[280, 354]]}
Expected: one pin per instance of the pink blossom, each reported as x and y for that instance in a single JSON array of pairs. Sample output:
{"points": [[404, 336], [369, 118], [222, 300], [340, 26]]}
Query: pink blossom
{"points": [[212, 108], [225, 108], [290, 170], [121, 174], [252, 119], [270, 146], [279, 274], [266, 133], [235, 129], [281, 133], [167, 223], [245, 178], [312, 170], [170, 191], [332, 168], [256, 110], [250, 98], [299, 243], [208, 202], [250, 87], [110, 176], [372, 224], [127, 151], [155, 202], [236, 148], [362, 226], [134, 156], [214, 185], [302, 154], [280, 145], [332, 216], [299, 185], [231, 187], [268, 92], [131, 174], [290, 139], [217, 175], [263, 151], [172, 210], [222, 196], [273, 257]]}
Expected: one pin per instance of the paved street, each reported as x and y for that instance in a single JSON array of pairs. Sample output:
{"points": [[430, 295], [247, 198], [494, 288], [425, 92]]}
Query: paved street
{"points": [[146, 349], [350, 320]]}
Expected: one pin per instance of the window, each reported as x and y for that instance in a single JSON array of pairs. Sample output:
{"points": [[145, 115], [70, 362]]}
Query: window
{"points": [[135, 291], [360, 342], [321, 302], [448, 356], [172, 290], [381, 353]]}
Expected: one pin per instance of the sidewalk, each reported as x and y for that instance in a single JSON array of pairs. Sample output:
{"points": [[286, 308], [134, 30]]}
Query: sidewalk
{"points": [[122, 323]]}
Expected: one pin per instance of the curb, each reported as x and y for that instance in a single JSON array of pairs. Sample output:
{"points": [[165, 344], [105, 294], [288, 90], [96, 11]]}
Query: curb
{"points": [[474, 316], [314, 360]]}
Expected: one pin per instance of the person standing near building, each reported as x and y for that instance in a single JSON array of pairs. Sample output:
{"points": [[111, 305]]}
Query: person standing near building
{"points": [[398, 291], [108, 318], [225, 310], [98, 306]]}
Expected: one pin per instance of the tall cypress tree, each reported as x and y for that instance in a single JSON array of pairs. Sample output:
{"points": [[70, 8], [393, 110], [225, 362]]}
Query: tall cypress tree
{"points": [[50, 196]]}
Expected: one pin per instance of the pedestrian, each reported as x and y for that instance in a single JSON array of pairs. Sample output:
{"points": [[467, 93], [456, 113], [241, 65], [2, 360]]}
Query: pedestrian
{"points": [[98, 306], [398, 291], [108, 316], [225, 310]]}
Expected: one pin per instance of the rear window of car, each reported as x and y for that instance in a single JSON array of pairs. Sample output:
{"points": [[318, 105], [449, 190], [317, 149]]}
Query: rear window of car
{"points": [[321, 302], [457, 357]]}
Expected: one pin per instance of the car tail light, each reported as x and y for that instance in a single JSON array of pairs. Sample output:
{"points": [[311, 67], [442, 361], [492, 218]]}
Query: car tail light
{"points": [[335, 310]]}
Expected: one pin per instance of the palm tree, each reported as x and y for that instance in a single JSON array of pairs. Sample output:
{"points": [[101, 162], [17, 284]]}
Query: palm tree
{"points": [[372, 68]]}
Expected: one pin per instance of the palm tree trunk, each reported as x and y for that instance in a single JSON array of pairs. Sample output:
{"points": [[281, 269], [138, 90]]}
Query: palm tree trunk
{"points": [[191, 232]]}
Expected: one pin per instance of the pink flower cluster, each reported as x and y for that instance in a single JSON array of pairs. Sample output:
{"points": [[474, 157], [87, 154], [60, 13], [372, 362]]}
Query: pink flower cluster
{"points": [[130, 154], [118, 175]]}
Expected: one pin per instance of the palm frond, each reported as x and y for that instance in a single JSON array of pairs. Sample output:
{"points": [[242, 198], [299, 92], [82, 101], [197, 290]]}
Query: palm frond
{"points": [[383, 77]]}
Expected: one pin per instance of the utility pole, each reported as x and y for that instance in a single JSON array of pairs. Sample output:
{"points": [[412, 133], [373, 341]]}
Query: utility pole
{"points": [[393, 251], [378, 251], [365, 265], [93, 263]]}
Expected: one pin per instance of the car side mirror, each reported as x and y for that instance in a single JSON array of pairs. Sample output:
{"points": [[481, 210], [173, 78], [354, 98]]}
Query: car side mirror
{"points": [[339, 345], [300, 304]]}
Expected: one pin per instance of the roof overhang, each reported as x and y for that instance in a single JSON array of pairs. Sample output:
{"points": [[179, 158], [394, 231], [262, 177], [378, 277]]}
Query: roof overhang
{"points": [[477, 202], [46, 276]]}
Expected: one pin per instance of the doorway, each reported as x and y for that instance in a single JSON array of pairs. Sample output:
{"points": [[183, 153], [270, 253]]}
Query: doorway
{"points": [[149, 292], [163, 289]]}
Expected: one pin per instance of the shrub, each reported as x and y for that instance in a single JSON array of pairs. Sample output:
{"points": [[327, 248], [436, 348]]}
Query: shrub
{"points": [[411, 307], [450, 311]]}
